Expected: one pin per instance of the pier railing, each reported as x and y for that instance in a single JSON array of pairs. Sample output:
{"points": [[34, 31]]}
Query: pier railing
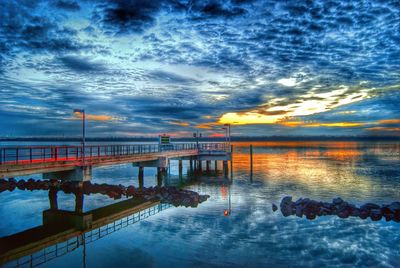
{"points": [[26, 155]]}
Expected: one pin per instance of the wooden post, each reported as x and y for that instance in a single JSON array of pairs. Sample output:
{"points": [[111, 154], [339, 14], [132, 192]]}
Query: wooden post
{"points": [[251, 161], [216, 165], [208, 164]]}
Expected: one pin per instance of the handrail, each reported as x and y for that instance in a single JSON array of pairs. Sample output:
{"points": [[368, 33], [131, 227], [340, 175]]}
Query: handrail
{"points": [[35, 154]]}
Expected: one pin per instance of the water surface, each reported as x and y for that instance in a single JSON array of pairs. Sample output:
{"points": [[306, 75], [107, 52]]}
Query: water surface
{"points": [[251, 235]]}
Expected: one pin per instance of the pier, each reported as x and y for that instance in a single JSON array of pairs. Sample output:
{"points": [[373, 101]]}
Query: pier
{"points": [[75, 163]]}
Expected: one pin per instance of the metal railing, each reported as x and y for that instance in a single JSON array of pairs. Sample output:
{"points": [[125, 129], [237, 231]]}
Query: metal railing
{"points": [[26, 155], [214, 147]]}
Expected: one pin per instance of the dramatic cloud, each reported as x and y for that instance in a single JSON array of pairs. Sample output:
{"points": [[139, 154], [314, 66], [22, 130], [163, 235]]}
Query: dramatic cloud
{"points": [[268, 67]]}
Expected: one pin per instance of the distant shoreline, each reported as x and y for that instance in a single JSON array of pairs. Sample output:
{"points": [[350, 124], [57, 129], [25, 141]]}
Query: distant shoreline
{"points": [[203, 139]]}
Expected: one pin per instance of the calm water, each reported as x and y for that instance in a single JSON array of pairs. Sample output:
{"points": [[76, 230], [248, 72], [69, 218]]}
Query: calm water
{"points": [[252, 235]]}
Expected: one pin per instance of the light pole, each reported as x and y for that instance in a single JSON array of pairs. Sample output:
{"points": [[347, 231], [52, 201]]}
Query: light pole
{"points": [[197, 135], [229, 132], [81, 111], [226, 133]]}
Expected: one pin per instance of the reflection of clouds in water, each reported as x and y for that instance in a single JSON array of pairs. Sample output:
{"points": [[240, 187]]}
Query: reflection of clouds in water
{"points": [[348, 169], [253, 236]]}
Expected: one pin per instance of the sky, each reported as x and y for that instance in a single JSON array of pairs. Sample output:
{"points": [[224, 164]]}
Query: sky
{"points": [[143, 68]]}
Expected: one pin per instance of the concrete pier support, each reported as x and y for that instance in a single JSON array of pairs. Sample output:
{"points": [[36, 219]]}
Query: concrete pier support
{"points": [[191, 164], [141, 177], [53, 198], [159, 176], [225, 167], [82, 173], [208, 165], [79, 201], [180, 166]]}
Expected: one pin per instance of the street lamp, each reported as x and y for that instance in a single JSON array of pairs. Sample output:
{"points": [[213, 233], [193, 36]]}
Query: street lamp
{"points": [[226, 133], [81, 111], [197, 135], [229, 132]]}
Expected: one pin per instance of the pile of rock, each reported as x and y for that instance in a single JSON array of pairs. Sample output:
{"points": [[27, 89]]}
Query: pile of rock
{"points": [[312, 209], [171, 195]]}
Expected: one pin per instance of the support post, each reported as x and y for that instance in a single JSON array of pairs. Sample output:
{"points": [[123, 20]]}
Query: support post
{"points": [[79, 199], [208, 164], [225, 167], [180, 169], [180, 166], [216, 165], [159, 177], [53, 198], [140, 177], [251, 161]]}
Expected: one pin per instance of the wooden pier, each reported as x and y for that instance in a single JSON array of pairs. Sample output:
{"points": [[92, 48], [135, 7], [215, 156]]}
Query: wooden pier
{"points": [[76, 162]]}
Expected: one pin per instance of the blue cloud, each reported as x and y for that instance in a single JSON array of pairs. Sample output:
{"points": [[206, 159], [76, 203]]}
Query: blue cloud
{"points": [[155, 62]]}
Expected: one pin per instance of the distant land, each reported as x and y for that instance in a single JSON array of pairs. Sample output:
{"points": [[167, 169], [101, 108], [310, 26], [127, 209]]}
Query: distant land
{"points": [[204, 139]]}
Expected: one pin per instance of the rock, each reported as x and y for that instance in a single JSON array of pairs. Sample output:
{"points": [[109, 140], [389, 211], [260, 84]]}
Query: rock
{"points": [[337, 201], [363, 214], [396, 216], [286, 200], [299, 211], [344, 213], [286, 206], [311, 216], [376, 214], [395, 206], [369, 206], [274, 208], [355, 212]]}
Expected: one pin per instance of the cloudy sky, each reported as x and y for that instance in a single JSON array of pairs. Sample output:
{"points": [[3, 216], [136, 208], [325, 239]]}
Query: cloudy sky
{"points": [[142, 67]]}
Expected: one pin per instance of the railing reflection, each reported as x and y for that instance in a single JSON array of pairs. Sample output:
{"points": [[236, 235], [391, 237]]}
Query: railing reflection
{"points": [[65, 231]]}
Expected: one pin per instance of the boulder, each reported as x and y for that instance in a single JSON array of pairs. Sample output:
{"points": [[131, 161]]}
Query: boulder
{"points": [[274, 208]]}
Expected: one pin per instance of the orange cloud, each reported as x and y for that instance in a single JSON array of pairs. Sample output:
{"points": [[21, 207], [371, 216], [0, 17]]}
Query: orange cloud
{"points": [[292, 123], [389, 121], [94, 117], [182, 124], [216, 135], [335, 124], [395, 129], [206, 125]]}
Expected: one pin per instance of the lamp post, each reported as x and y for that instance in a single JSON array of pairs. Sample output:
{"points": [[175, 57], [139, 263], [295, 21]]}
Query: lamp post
{"points": [[197, 135], [81, 111], [229, 132], [226, 133]]}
